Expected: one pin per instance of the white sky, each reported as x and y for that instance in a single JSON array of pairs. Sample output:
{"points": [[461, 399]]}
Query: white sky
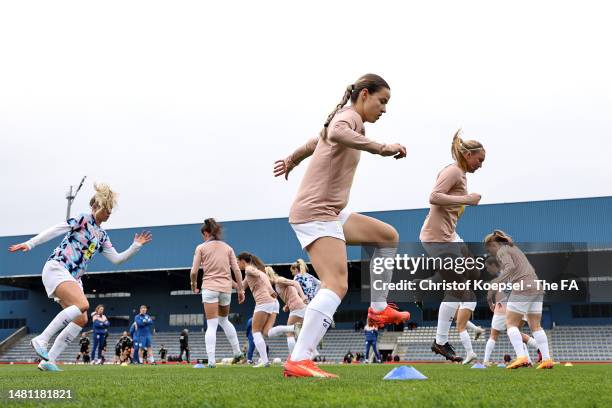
{"points": [[184, 106]]}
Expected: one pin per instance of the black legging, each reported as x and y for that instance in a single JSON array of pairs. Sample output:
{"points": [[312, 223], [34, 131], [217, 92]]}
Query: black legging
{"points": [[184, 349]]}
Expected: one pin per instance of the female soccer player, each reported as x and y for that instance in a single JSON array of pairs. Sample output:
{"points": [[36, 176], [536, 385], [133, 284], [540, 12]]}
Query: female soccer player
{"points": [[498, 324], [310, 285], [295, 300], [61, 275], [218, 261], [323, 226], [515, 267], [266, 305], [439, 238], [100, 330]]}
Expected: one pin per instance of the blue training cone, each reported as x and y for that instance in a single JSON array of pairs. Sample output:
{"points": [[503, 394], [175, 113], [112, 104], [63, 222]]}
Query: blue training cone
{"points": [[404, 373], [501, 365], [478, 365], [199, 366]]}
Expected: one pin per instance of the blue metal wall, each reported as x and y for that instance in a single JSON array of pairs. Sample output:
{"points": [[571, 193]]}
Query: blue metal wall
{"points": [[576, 220]]}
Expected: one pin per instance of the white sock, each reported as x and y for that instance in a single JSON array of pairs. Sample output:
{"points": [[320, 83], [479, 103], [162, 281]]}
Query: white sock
{"points": [[260, 345], [63, 339], [281, 330], [211, 339], [489, 349], [542, 340], [378, 298], [466, 341], [317, 319], [378, 306], [517, 341], [532, 343], [527, 353], [446, 314], [59, 322], [150, 358], [230, 333], [290, 343], [471, 326]]}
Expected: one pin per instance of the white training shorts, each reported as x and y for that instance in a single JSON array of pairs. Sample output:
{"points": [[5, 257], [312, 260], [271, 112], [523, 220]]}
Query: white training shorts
{"points": [[499, 322], [527, 307], [212, 296], [467, 305], [298, 313], [53, 274], [272, 307], [309, 232], [462, 305]]}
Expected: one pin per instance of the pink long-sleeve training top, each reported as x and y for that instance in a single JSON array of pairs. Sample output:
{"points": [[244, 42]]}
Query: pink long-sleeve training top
{"points": [[260, 285], [447, 199], [291, 293], [326, 185], [217, 260]]}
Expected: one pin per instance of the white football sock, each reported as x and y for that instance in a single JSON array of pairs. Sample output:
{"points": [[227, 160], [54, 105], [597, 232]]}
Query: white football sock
{"points": [[489, 349], [59, 322], [532, 343], [471, 326], [466, 341], [517, 341], [230, 333], [290, 343], [542, 339], [317, 319], [260, 344], [527, 353], [63, 339], [211, 339], [378, 298], [281, 330], [446, 314]]}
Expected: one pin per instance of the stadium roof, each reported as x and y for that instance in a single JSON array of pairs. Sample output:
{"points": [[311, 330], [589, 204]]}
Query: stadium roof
{"points": [[574, 220]]}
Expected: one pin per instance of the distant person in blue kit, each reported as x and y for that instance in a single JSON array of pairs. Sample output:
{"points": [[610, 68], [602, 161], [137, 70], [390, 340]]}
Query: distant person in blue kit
{"points": [[371, 337], [144, 324], [251, 349], [135, 345], [100, 330]]}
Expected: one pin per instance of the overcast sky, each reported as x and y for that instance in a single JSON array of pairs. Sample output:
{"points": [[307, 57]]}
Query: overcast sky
{"points": [[182, 107]]}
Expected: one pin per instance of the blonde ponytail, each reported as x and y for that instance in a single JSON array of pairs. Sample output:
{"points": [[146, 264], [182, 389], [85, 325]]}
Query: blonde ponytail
{"points": [[460, 147], [302, 267], [499, 236], [105, 198], [271, 274]]}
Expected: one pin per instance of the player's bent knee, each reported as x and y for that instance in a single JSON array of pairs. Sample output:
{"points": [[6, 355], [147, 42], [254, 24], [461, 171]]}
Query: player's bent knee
{"points": [[81, 320]]}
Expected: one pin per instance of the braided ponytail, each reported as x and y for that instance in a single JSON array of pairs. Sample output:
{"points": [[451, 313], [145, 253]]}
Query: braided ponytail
{"points": [[371, 82]]}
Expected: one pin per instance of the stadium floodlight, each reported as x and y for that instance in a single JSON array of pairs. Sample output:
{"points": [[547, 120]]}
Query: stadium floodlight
{"points": [[70, 197]]}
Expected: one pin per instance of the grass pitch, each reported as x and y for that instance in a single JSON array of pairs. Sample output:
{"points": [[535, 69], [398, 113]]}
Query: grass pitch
{"points": [[358, 386]]}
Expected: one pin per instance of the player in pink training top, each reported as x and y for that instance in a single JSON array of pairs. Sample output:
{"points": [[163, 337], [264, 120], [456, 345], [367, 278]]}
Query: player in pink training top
{"points": [[440, 239], [291, 293], [266, 305], [323, 225], [61, 275], [515, 268], [218, 261], [497, 303]]}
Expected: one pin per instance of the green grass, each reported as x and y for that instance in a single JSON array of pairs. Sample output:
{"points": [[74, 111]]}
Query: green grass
{"points": [[358, 386]]}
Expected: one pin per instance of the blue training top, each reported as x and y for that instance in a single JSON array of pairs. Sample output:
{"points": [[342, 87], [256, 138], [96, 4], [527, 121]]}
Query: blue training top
{"points": [[371, 335], [144, 323], [100, 327]]}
